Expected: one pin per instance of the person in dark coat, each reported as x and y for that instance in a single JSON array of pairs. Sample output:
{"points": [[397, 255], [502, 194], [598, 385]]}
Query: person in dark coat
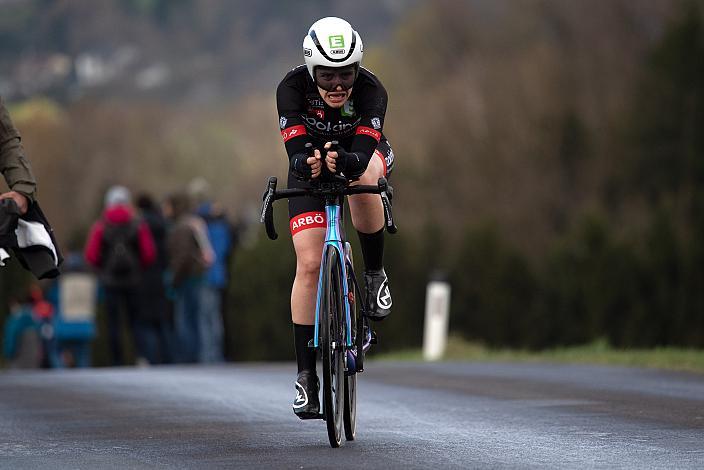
{"points": [[14, 165], [156, 308], [120, 246]]}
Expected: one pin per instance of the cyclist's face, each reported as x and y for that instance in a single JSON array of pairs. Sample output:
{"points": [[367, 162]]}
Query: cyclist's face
{"points": [[331, 79], [335, 84]]}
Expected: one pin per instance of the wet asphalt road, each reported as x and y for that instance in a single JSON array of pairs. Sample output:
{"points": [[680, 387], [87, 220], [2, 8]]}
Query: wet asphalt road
{"points": [[448, 415]]}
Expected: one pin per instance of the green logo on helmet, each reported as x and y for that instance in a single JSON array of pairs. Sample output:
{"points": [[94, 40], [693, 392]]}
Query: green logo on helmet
{"points": [[336, 41]]}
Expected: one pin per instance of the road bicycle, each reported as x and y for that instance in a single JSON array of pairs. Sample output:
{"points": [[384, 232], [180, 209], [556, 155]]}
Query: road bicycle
{"points": [[343, 333]]}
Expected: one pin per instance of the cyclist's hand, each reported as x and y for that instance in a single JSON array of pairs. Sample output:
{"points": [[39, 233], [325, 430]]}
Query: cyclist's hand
{"points": [[331, 158], [316, 166], [20, 199], [342, 161], [305, 168]]}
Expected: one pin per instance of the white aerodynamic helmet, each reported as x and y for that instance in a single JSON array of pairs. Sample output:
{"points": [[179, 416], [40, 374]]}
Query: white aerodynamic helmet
{"points": [[331, 42]]}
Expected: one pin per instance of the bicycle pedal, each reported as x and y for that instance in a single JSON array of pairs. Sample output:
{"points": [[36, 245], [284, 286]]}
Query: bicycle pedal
{"points": [[373, 339]]}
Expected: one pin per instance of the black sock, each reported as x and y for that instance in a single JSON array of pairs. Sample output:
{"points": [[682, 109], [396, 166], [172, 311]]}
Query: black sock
{"points": [[372, 249], [305, 356]]}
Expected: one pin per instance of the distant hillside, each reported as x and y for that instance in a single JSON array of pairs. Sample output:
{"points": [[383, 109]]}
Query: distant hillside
{"points": [[192, 50]]}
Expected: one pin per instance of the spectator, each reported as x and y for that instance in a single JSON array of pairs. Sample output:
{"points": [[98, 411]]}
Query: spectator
{"points": [[43, 313], [120, 246], [22, 345], [216, 280], [13, 164], [155, 306], [73, 297], [190, 254], [42, 256]]}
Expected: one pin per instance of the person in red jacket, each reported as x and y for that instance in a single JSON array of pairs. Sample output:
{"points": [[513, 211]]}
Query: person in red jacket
{"points": [[120, 246]]}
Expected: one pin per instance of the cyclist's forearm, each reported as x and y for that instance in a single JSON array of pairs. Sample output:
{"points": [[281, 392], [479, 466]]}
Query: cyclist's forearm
{"points": [[363, 146], [296, 146], [354, 163]]}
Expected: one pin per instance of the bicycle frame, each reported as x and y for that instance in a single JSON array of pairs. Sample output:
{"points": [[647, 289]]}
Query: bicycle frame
{"points": [[333, 238]]}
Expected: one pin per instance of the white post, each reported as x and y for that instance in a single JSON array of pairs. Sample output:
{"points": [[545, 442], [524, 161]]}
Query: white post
{"points": [[437, 313]]}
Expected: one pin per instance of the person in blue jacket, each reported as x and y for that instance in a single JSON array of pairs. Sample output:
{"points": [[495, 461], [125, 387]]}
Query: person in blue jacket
{"points": [[217, 278]]}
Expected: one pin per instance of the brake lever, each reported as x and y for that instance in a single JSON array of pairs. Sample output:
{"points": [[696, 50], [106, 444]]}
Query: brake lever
{"points": [[386, 193]]}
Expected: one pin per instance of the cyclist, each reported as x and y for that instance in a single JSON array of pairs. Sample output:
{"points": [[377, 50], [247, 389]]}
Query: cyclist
{"points": [[331, 97]]}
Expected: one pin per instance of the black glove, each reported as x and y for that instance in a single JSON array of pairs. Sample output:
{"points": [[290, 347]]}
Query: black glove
{"points": [[299, 168], [351, 164]]}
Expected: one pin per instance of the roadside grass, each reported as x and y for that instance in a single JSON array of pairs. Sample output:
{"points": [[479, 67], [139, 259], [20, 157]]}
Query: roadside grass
{"points": [[597, 352]]}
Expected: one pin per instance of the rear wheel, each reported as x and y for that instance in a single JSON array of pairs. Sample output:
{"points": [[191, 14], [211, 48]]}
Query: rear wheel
{"points": [[350, 415], [332, 346]]}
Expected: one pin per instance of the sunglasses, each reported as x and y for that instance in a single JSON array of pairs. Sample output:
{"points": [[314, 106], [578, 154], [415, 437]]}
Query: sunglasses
{"points": [[330, 78]]}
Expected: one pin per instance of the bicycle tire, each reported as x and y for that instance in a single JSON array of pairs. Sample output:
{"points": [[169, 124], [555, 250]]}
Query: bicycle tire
{"points": [[332, 346], [349, 418], [350, 414]]}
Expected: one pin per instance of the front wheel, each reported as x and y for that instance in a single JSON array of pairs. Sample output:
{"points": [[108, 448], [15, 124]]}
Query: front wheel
{"points": [[332, 311]]}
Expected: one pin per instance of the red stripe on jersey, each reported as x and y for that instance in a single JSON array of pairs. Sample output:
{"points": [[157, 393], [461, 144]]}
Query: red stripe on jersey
{"points": [[374, 134], [307, 220], [293, 131]]}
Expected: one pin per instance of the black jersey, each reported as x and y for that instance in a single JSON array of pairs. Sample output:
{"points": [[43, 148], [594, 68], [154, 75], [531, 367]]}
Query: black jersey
{"points": [[305, 117]]}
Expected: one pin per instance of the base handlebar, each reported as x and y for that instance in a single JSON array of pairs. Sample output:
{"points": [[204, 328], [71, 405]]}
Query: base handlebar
{"points": [[324, 189]]}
